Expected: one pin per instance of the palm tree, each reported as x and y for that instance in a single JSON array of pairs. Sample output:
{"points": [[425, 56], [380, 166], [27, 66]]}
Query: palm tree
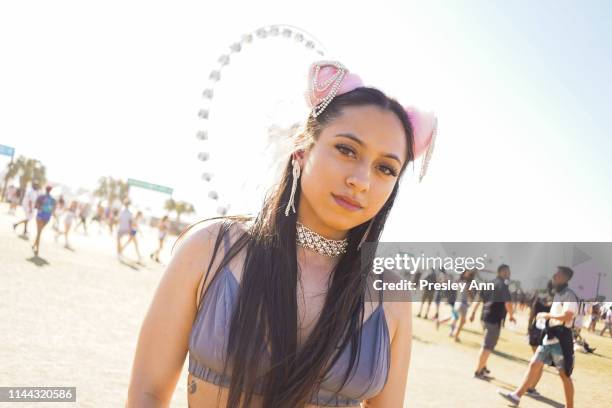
{"points": [[111, 189], [11, 171], [183, 207], [170, 205], [103, 189], [123, 190], [27, 170], [180, 207]]}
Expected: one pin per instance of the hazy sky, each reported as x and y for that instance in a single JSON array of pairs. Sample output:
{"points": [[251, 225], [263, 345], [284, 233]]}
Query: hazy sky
{"points": [[521, 90]]}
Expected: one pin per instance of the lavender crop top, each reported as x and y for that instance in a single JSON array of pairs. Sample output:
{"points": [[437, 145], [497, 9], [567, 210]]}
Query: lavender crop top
{"points": [[207, 346]]}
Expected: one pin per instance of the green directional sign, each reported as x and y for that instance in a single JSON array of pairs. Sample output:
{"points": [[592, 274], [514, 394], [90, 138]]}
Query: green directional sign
{"points": [[149, 186], [7, 150]]}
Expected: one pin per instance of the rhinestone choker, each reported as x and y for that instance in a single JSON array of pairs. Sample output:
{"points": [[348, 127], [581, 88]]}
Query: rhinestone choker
{"points": [[309, 239]]}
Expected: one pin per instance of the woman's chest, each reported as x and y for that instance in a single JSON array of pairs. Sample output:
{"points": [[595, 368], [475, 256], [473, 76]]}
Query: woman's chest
{"points": [[311, 293]]}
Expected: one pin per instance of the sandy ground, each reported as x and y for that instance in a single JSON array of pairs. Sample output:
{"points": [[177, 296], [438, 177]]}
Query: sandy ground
{"points": [[71, 318]]}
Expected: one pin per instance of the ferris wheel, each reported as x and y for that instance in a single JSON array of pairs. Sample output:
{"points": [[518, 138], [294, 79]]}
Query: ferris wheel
{"points": [[248, 43]]}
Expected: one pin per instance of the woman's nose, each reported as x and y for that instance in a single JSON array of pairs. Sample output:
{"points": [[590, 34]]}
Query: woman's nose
{"points": [[359, 180]]}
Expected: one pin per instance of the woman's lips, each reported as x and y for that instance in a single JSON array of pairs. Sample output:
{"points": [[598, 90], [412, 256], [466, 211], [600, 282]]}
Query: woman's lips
{"points": [[345, 204]]}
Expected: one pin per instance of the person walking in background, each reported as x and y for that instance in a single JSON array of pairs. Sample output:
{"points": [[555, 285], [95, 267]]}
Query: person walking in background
{"points": [[125, 226], [450, 296], [541, 303], [84, 210], [28, 203], [45, 206], [113, 218], [595, 315], [607, 322], [13, 198], [69, 217], [99, 217], [134, 230], [163, 226], [557, 346], [580, 317], [59, 210], [428, 295], [440, 294], [463, 298], [496, 304]]}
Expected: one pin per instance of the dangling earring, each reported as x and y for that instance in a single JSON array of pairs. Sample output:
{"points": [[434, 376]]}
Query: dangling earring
{"points": [[296, 176], [365, 235]]}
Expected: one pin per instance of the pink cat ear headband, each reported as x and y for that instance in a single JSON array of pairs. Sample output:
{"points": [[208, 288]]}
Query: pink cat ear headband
{"points": [[328, 79]]}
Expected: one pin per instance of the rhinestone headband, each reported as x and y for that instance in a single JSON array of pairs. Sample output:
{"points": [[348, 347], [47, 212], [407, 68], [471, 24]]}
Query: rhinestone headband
{"points": [[319, 104], [309, 239], [329, 79]]}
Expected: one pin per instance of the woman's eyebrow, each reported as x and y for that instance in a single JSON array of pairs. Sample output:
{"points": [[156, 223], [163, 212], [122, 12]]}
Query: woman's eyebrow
{"points": [[362, 143]]}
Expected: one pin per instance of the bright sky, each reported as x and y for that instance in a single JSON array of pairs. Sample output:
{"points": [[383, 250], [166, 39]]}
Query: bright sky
{"points": [[521, 90]]}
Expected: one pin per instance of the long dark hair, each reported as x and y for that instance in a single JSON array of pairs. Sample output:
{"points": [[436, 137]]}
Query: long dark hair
{"points": [[266, 310]]}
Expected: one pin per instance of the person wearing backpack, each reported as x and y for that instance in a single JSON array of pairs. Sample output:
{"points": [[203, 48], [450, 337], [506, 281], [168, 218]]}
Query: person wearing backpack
{"points": [[45, 205], [557, 345]]}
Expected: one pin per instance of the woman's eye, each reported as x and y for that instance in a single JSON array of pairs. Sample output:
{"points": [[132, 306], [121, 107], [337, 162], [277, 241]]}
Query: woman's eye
{"points": [[347, 151], [388, 171]]}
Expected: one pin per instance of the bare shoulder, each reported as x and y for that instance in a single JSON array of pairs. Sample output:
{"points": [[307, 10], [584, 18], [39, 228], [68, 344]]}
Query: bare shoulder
{"points": [[198, 235], [195, 250], [398, 309], [198, 240], [159, 359]]}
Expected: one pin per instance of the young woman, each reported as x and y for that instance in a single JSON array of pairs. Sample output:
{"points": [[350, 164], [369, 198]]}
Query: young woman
{"points": [[462, 303], [14, 195], [69, 216], [99, 217], [595, 315], [45, 206], [59, 210], [274, 309], [162, 227], [134, 230]]}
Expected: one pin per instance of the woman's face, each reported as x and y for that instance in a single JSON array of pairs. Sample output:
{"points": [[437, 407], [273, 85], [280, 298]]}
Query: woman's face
{"points": [[357, 156]]}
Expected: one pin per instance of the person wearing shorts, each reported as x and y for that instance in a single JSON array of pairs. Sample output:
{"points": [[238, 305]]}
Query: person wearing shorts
{"points": [[428, 295], [28, 204], [550, 354], [557, 345], [541, 303], [125, 226], [440, 277], [99, 217], [84, 210], [13, 195], [496, 304], [134, 230], [69, 217], [163, 227], [595, 314], [59, 210], [461, 305], [45, 204]]}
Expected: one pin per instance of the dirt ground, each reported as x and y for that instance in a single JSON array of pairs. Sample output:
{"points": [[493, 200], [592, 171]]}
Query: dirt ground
{"points": [[71, 318]]}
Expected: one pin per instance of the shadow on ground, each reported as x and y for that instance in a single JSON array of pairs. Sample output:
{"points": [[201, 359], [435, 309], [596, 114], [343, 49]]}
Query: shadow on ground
{"points": [[511, 357], [38, 261]]}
